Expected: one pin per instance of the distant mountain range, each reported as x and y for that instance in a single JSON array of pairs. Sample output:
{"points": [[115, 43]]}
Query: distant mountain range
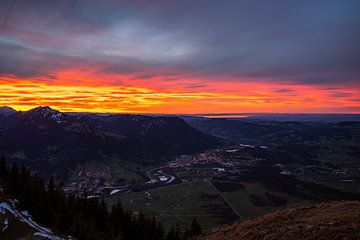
{"points": [[275, 132], [334, 145], [49, 141], [288, 117]]}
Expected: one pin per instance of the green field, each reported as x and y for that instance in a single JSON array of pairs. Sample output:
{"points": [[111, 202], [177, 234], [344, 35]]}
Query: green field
{"points": [[178, 204], [181, 203]]}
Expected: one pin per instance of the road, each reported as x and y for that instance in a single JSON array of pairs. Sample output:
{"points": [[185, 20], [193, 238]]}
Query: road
{"points": [[225, 199]]}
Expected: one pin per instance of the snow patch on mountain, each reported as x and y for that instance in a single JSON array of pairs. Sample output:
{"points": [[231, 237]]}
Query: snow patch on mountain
{"points": [[26, 218], [48, 236], [47, 113]]}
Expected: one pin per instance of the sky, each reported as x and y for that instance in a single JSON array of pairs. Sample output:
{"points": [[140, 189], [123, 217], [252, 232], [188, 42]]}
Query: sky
{"points": [[181, 56]]}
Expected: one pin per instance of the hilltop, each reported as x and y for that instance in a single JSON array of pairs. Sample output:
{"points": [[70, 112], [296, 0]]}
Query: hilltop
{"points": [[336, 220]]}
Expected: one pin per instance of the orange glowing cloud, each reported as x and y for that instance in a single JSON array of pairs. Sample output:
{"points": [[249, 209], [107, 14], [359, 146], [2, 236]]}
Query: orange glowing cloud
{"points": [[109, 93]]}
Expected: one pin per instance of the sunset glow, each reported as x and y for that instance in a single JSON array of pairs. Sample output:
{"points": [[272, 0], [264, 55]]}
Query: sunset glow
{"points": [[23, 94], [121, 56]]}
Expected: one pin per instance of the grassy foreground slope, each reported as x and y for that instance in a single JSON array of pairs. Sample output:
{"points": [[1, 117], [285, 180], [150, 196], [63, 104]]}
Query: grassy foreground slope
{"points": [[336, 220]]}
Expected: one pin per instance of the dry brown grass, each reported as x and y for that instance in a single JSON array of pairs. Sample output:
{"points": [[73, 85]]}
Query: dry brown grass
{"points": [[327, 221]]}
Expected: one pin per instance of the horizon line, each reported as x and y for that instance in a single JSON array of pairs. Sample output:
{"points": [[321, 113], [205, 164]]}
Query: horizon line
{"points": [[188, 114]]}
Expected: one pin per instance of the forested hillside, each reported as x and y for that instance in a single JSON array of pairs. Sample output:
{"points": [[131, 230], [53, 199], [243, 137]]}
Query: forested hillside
{"points": [[80, 216]]}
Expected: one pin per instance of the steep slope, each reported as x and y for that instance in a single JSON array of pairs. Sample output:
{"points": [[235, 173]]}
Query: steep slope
{"points": [[337, 220], [15, 224]]}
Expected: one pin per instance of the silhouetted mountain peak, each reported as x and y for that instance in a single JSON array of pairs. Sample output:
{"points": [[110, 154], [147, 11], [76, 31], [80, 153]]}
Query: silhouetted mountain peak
{"points": [[43, 109], [45, 112], [6, 111]]}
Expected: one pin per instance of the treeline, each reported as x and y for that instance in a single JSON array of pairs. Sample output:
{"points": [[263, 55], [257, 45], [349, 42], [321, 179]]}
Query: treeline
{"points": [[80, 217]]}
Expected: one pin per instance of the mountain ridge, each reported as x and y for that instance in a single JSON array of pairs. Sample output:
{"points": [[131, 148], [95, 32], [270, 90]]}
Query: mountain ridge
{"points": [[42, 138]]}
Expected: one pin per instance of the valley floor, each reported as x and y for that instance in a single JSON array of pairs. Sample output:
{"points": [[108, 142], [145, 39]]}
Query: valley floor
{"points": [[216, 187]]}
